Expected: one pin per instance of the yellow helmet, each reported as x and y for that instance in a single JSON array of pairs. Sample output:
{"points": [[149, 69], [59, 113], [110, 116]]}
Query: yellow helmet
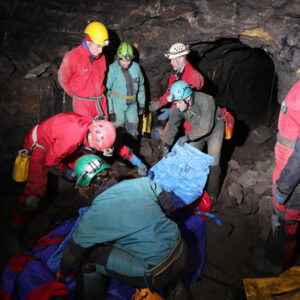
{"points": [[98, 33]]}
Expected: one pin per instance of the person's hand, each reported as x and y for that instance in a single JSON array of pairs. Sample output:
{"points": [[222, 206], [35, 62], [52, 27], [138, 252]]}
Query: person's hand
{"points": [[137, 162], [280, 197], [164, 150], [182, 140], [153, 106], [141, 110], [142, 170], [165, 114], [112, 117]]}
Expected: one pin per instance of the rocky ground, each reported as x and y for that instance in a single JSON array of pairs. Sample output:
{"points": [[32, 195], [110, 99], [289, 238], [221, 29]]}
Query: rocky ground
{"points": [[244, 208]]}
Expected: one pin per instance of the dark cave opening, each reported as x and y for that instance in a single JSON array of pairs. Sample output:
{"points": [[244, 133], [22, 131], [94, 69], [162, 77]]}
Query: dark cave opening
{"points": [[242, 79]]}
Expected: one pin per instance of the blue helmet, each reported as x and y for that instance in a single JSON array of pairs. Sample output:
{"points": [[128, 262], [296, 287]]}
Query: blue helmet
{"points": [[179, 91]]}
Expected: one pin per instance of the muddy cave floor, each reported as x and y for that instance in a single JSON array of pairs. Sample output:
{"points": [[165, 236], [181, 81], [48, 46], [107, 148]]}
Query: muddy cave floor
{"points": [[227, 246]]}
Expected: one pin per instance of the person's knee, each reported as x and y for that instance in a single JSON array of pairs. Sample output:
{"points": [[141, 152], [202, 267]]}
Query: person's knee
{"points": [[132, 129]]}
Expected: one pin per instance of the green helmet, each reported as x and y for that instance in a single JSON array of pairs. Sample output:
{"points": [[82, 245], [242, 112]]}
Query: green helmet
{"points": [[87, 167], [125, 51]]}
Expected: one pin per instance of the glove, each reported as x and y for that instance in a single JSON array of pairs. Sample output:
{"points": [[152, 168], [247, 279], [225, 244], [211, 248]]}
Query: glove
{"points": [[70, 175], [137, 162], [112, 117], [280, 197], [153, 106], [182, 140], [141, 110], [164, 150], [165, 115], [73, 257]]}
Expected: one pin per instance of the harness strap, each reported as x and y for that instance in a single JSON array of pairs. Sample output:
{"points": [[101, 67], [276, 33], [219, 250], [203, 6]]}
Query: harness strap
{"points": [[162, 266], [286, 142], [123, 96], [89, 98], [34, 138]]}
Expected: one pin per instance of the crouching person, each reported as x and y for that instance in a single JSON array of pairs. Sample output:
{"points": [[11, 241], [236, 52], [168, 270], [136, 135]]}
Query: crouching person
{"points": [[125, 233]]}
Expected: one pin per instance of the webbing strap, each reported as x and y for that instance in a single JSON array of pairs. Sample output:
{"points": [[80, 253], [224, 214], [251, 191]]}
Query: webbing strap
{"points": [[123, 96], [89, 98], [286, 142], [46, 241], [34, 138]]}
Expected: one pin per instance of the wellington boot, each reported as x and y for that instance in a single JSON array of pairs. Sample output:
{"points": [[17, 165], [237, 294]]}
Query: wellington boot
{"points": [[146, 294]]}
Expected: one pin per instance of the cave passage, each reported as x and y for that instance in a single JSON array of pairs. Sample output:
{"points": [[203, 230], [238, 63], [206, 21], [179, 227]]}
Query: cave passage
{"points": [[241, 78]]}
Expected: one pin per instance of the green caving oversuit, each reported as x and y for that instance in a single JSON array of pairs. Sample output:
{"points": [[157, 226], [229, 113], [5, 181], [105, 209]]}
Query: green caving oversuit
{"points": [[124, 82], [126, 233]]}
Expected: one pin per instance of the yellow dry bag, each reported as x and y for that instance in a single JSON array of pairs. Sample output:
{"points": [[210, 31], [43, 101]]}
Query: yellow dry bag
{"points": [[146, 294], [20, 171], [146, 124]]}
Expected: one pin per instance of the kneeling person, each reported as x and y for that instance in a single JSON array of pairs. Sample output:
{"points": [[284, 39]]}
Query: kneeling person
{"points": [[125, 232]]}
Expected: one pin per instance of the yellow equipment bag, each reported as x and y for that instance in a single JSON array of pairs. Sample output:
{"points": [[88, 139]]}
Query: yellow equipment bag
{"points": [[283, 287], [20, 171], [146, 124], [146, 294]]}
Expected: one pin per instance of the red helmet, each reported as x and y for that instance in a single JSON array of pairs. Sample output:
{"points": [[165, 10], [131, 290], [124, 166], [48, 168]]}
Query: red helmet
{"points": [[103, 134]]}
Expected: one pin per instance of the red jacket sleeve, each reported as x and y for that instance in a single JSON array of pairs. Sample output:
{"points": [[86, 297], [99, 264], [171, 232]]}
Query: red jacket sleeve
{"points": [[65, 74], [124, 151]]}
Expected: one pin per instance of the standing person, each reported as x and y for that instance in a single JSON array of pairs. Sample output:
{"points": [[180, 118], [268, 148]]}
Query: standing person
{"points": [[207, 124], [281, 243], [182, 70], [82, 73], [126, 92], [125, 232], [55, 144]]}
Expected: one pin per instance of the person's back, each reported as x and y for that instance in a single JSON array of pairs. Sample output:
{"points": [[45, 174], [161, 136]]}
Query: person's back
{"points": [[128, 216]]}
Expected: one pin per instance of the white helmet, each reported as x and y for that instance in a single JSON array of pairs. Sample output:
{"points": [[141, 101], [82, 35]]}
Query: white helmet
{"points": [[176, 50]]}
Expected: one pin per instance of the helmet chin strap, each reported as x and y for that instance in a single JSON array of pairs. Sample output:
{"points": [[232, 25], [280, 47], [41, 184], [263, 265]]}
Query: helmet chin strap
{"points": [[188, 103]]}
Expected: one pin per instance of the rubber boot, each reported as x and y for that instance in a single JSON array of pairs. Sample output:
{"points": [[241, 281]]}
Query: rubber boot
{"points": [[213, 183], [146, 294], [93, 286]]}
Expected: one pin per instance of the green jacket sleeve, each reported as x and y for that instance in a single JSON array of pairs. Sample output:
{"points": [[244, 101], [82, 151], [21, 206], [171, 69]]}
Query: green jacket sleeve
{"points": [[201, 116], [174, 121]]}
